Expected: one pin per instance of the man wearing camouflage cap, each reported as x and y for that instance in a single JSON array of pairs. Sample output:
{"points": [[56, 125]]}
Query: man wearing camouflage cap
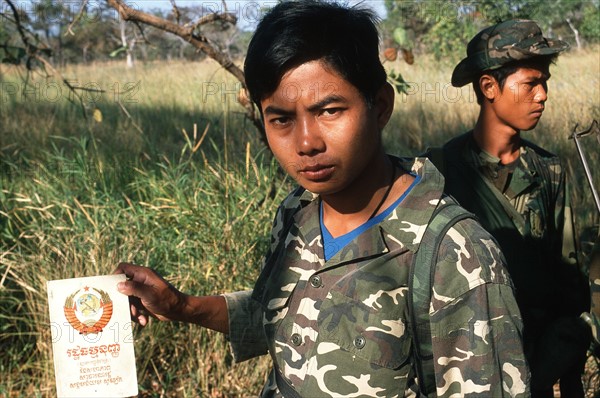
{"points": [[518, 192]]}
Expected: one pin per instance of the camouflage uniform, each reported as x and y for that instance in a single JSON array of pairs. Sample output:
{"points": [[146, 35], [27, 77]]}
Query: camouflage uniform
{"points": [[595, 292], [531, 218], [525, 206], [340, 327]]}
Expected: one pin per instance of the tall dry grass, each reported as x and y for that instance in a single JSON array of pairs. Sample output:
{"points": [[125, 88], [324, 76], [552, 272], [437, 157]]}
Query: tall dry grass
{"points": [[169, 174]]}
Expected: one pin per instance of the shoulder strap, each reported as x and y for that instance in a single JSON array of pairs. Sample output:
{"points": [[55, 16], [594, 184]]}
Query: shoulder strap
{"points": [[475, 192], [420, 290], [436, 156], [285, 388]]}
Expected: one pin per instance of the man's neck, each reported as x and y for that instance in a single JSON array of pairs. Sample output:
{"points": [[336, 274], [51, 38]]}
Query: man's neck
{"points": [[496, 138], [346, 210]]}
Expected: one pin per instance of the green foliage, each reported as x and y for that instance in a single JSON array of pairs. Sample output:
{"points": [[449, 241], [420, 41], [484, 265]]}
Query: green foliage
{"points": [[12, 55], [495, 11], [117, 52], [401, 38], [397, 81], [448, 37], [414, 16], [590, 25], [444, 28]]}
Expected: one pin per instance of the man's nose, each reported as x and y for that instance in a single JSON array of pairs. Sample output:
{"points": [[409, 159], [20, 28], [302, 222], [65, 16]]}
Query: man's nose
{"points": [[309, 138], [541, 93]]}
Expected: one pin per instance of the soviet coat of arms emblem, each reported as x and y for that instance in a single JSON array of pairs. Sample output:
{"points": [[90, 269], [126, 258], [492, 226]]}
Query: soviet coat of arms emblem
{"points": [[88, 310]]}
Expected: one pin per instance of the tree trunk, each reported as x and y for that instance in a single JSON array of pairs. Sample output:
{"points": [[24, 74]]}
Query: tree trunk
{"points": [[575, 32], [128, 49]]}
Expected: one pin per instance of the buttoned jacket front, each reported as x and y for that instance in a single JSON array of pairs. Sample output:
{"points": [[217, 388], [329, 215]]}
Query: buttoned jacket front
{"points": [[340, 327]]}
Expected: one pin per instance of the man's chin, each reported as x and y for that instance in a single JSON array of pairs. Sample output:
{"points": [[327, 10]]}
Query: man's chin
{"points": [[530, 127], [321, 188]]}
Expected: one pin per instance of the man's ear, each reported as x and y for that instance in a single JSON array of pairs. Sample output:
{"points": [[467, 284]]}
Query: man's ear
{"points": [[489, 87], [384, 104]]}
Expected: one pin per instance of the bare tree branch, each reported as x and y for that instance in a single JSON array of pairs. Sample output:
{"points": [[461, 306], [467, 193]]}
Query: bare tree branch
{"points": [[199, 41], [28, 46], [187, 33], [214, 17], [141, 30], [34, 52], [48, 67], [77, 18], [176, 12]]}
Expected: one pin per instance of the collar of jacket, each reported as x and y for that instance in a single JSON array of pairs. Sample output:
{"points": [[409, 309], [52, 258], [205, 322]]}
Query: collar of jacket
{"points": [[524, 175], [402, 229]]}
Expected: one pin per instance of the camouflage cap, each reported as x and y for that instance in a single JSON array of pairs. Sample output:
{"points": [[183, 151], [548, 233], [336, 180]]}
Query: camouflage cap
{"points": [[497, 45]]}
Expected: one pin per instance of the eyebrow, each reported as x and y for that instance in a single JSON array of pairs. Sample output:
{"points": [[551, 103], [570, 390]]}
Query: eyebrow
{"points": [[326, 101], [275, 110], [544, 76]]}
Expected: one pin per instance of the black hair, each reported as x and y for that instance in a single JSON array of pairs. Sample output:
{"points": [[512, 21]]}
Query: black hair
{"points": [[541, 62], [296, 32]]}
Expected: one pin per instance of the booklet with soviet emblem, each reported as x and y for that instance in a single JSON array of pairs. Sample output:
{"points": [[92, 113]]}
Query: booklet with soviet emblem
{"points": [[92, 338]]}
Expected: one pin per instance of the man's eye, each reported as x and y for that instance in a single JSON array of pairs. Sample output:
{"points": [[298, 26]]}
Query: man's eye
{"points": [[528, 86], [280, 121], [331, 111]]}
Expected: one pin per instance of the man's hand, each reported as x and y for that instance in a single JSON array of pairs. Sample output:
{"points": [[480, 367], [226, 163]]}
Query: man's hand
{"points": [[150, 294]]}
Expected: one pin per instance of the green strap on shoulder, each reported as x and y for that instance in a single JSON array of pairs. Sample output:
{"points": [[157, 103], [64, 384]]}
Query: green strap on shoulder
{"points": [[420, 289], [436, 156]]}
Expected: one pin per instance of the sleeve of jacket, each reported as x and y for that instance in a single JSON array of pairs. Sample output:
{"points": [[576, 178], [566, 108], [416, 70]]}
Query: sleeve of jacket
{"points": [[475, 321], [246, 337]]}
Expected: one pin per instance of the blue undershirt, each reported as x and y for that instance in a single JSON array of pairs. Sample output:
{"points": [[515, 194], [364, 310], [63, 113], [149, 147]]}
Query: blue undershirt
{"points": [[333, 245]]}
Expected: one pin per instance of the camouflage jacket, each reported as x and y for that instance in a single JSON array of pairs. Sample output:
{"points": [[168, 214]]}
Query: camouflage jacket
{"points": [[531, 219], [340, 327]]}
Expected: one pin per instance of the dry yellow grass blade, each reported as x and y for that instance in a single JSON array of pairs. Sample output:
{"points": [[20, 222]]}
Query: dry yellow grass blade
{"points": [[87, 215]]}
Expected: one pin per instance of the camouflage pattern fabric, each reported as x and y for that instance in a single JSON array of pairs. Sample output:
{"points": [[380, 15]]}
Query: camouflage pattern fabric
{"points": [[497, 45], [531, 219], [339, 328], [595, 292]]}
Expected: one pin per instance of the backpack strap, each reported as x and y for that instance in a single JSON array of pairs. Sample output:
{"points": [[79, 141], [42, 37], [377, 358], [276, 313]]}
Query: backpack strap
{"points": [[420, 284], [436, 156], [284, 386]]}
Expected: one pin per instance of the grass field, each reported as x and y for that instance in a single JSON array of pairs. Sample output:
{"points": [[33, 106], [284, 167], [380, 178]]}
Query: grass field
{"points": [[166, 172]]}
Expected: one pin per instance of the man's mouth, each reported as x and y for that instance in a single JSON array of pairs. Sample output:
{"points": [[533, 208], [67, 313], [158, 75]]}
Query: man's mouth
{"points": [[538, 112], [316, 172]]}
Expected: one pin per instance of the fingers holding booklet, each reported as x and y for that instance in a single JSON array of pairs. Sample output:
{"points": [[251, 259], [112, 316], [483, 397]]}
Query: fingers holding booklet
{"points": [[152, 296]]}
